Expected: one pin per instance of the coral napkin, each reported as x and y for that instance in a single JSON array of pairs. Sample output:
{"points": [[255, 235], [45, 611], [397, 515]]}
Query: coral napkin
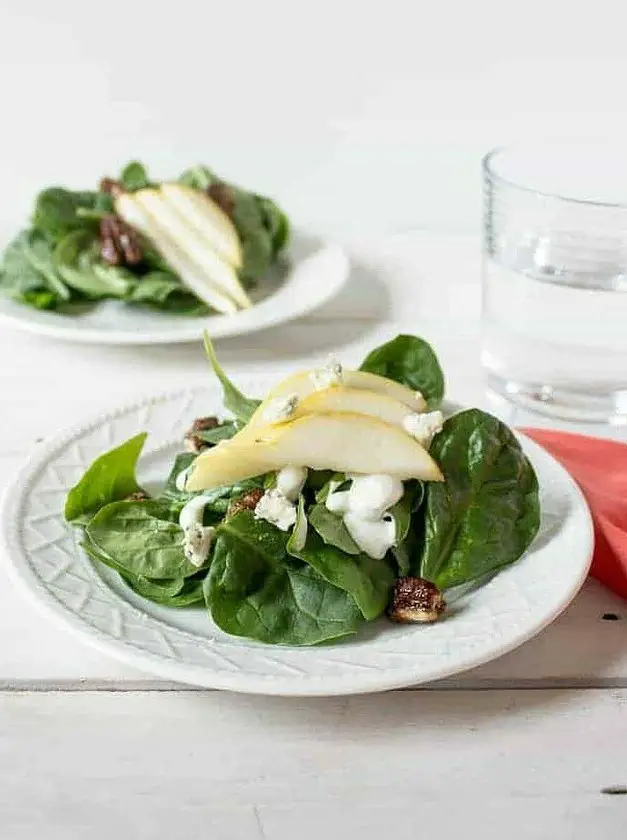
{"points": [[600, 468]]}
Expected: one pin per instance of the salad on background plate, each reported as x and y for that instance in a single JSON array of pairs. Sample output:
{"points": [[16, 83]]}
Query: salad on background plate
{"points": [[192, 246], [341, 497]]}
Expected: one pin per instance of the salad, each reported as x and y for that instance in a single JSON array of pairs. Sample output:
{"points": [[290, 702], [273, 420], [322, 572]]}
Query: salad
{"points": [[191, 246], [345, 495]]}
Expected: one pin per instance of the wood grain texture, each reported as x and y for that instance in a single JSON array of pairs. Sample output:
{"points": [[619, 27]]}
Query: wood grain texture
{"points": [[404, 764]]}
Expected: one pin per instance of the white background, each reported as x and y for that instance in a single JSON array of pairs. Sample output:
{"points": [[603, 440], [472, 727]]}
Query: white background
{"points": [[364, 118], [365, 115]]}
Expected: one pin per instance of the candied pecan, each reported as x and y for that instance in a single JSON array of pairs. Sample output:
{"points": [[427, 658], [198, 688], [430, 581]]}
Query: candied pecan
{"points": [[415, 600], [194, 442], [223, 196], [247, 501], [137, 496], [119, 244], [111, 187]]}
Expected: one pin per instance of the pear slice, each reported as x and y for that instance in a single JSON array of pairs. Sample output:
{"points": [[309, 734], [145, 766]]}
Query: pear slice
{"points": [[208, 219], [354, 401], [219, 272], [191, 275], [302, 385], [351, 443]]}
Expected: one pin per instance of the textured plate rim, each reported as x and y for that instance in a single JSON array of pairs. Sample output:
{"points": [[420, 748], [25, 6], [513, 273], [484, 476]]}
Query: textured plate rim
{"points": [[311, 685]]}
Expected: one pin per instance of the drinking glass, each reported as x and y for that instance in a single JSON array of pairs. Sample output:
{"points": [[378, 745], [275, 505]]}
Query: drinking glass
{"points": [[555, 279]]}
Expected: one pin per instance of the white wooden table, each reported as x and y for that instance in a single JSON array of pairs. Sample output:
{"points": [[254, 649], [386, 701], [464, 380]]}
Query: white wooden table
{"points": [[529, 746]]}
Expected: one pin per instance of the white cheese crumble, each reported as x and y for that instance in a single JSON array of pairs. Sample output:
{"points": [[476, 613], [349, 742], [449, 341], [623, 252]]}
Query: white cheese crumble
{"points": [[280, 409], [276, 509], [197, 538], [290, 481], [328, 376], [364, 507], [374, 538], [197, 544], [424, 427]]}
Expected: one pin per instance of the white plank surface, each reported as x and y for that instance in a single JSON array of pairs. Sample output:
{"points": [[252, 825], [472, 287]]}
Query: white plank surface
{"points": [[526, 764], [357, 120], [421, 283]]}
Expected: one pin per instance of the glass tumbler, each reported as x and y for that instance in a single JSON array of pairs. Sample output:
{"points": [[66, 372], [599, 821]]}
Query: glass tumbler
{"points": [[555, 279]]}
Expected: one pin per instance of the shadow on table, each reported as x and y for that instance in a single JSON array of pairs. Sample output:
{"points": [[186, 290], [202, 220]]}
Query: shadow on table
{"points": [[355, 312]]}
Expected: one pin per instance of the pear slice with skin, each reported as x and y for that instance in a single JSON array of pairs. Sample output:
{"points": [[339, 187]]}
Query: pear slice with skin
{"points": [[208, 219], [191, 275], [219, 272], [351, 443], [302, 385], [354, 401]]}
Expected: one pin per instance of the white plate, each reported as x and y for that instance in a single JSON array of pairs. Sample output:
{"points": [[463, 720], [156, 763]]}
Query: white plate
{"points": [[185, 646], [316, 273]]}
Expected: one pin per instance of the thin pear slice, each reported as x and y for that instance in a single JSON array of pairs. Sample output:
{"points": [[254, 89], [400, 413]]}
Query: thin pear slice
{"points": [[208, 218], [351, 443], [353, 401], [138, 217], [219, 272], [302, 385], [228, 464]]}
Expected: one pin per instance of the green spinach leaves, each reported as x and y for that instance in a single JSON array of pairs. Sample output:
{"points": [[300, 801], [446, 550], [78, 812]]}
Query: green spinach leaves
{"points": [[110, 478], [240, 406], [486, 512], [57, 262], [255, 589], [313, 584], [411, 361]]}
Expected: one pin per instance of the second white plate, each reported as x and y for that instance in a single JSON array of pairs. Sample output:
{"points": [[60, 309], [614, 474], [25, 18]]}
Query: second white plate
{"points": [[184, 645], [316, 273]]}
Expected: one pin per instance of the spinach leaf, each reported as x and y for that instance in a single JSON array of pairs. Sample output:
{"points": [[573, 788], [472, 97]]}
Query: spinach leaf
{"points": [[183, 461], [169, 593], [110, 478], [256, 240], [403, 509], [39, 253], [240, 406], [405, 549], [332, 477], [142, 538], [155, 590], [367, 581], [332, 529], [486, 512], [199, 177], [58, 211], [119, 281], [76, 261], [275, 222], [37, 298], [134, 176], [28, 273], [160, 289], [411, 361], [155, 287], [225, 431], [174, 592], [217, 499], [190, 595], [298, 538], [254, 589], [318, 479]]}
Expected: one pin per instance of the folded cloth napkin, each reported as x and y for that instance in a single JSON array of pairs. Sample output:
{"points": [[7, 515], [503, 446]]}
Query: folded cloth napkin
{"points": [[600, 468]]}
